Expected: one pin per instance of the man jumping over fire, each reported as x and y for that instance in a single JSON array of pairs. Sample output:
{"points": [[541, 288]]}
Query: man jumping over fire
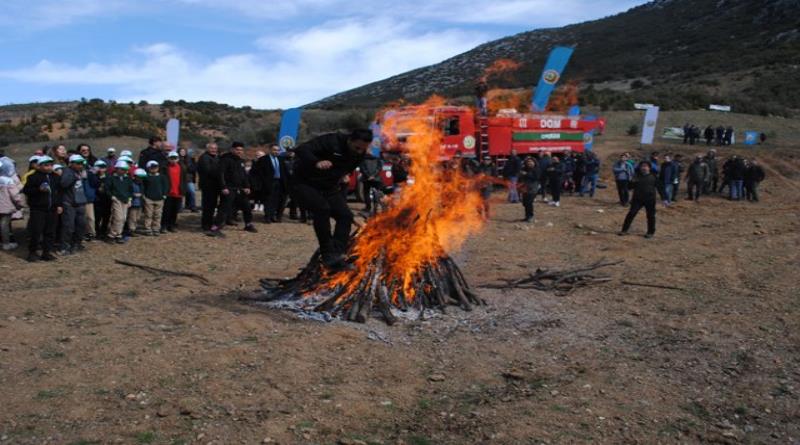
{"points": [[321, 164]]}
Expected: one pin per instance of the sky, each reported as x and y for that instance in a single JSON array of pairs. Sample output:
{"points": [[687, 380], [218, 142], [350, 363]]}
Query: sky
{"points": [[263, 53]]}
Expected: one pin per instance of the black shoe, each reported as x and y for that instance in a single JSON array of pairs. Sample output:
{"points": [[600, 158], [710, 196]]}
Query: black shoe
{"points": [[303, 220], [215, 234], [171, 229], [32, 258], [120, 241], [292, 215], [622, 233], [648, 235], [79, 248], [47, 257], [250, 228]]}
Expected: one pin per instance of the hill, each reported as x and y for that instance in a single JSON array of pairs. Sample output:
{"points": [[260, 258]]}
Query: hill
{"points": [[681, 54], [201, 122]]}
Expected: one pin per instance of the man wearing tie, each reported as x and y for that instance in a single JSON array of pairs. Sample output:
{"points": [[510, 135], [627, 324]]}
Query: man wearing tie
{"points": [[274, 180]]}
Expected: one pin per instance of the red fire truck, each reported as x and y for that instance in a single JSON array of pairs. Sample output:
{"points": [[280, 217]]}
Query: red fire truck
{"points": [[497, 136], [491, 136]]}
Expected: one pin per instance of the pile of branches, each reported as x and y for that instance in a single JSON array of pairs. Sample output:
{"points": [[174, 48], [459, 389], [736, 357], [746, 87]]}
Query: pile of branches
{"points": [[561, 282], [439, 284]]}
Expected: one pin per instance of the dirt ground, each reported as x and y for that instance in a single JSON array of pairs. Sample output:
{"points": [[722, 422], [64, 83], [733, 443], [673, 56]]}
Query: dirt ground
{"points": [[95, 352]]}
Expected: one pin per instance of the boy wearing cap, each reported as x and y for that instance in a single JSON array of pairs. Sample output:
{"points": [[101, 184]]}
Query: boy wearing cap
{"points": [[73, 200], [120, 187], [102, 201], [155, 187], [41, 191], [135, 210], [32, 162], [175, 191]]}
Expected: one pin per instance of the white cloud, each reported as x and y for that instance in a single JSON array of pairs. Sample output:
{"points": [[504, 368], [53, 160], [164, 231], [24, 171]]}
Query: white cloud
{"points": [[26, 15], [293, 70]]}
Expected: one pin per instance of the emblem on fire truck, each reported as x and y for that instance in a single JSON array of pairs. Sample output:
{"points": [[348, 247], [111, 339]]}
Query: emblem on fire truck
{"points": [[469, 142], [550, 77]]}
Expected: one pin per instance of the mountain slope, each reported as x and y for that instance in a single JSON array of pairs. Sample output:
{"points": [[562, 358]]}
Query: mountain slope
{"points": [[740, 51]]}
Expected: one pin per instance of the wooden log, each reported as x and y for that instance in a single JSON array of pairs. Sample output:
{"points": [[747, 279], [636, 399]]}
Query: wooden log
{"points": [[385, 306]]}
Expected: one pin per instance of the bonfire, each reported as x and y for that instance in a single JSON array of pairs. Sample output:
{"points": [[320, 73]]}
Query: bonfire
{"points": [[399, 261]]}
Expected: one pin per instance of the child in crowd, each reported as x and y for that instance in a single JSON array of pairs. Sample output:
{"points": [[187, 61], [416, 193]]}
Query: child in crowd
{"points": [[40, 189], [175, 174], [155, 187], [135, 211], [10, 202], [119, 186], [102, 202]]}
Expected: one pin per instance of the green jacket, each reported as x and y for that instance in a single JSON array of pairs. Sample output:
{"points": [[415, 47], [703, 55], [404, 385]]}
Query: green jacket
{"points": [[120, 187], [156, 187]]}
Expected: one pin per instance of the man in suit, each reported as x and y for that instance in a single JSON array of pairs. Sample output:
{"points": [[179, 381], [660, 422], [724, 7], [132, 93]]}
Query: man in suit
{"points": [[273, 178]]}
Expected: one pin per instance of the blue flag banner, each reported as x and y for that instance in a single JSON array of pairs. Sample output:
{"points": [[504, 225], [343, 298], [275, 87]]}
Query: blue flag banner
{"points": [[290, 125], [751, 137], [555, 65], [574, 110], [588, 141]]}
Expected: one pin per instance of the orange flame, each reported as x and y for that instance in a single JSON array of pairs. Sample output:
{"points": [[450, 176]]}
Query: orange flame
{"points": [[428, 218], [563, 98], [500, 66], [499, 99]]}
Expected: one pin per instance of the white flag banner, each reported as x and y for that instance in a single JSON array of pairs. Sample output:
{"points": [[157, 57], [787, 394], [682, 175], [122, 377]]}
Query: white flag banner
{"points": [[725, 108], [173, 132], [649, 127]]}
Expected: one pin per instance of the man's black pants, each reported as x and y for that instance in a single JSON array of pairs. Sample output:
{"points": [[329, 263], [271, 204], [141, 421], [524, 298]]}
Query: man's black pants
{"points": [[555, 189], [210, 202], [324, 205], [623, 191], [42, 226], [233, 201], [650, 209], [275, 201], [694, 189], [527, 203]]}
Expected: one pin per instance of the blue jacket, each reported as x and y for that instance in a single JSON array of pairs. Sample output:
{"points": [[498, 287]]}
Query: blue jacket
{"points": [[136, 201], [668, 173], [90, 186], [592, 166], [623, 171]]}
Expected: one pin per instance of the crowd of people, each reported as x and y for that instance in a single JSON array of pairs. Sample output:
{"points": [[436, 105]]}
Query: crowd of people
{"points": [[718, 135], [74, 197]]}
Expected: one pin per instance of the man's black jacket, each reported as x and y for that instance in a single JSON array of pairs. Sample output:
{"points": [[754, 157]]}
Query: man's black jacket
{"points": [[208, 171], [263, 172], [645, 187], [232, 172], [152, 154], [331, 147]]}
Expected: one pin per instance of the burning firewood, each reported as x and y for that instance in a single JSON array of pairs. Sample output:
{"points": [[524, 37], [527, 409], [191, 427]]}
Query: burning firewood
{"points": [[399, 259], [436, 285]]}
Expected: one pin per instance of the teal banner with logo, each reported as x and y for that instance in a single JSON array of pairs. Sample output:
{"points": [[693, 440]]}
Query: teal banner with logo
{"points": [[555, 65], [290, 125]]}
